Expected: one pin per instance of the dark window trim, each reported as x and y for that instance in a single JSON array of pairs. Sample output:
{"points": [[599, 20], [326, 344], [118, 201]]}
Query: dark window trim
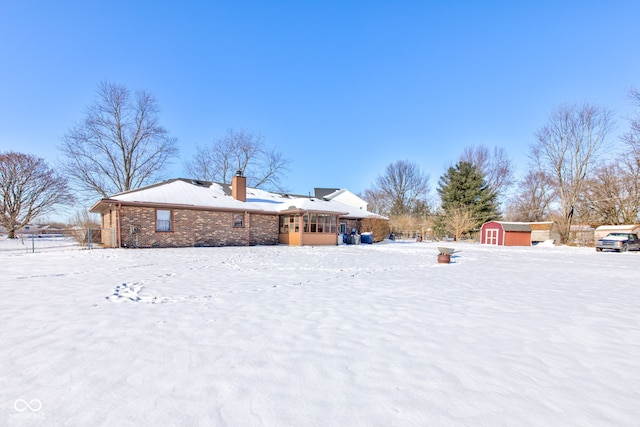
{"points": [[241, 217]]}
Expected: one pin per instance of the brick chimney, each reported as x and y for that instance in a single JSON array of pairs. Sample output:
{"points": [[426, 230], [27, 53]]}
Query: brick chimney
{"points": [[239, 187]]}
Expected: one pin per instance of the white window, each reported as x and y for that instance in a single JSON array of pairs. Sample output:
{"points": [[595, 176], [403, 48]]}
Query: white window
{"points": [[163, 220]]}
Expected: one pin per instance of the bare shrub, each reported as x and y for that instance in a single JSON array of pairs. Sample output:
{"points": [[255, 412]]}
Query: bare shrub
{"points": [[379, 227], [79, 225]]}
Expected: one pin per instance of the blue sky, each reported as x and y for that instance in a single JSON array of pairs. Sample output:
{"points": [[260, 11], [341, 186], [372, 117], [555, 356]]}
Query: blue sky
{"points": [[343, 88]]}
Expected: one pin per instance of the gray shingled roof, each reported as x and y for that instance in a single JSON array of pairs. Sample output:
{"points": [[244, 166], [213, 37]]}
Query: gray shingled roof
{"points": [[322, 192], [515, 226]]}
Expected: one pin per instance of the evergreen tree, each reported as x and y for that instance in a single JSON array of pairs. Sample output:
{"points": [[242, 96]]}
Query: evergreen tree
{"points": [[463, 187]]}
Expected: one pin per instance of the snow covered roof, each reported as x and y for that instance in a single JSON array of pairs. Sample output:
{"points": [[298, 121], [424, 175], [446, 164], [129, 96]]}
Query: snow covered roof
{"points": [[628, 228], [208, 195]]}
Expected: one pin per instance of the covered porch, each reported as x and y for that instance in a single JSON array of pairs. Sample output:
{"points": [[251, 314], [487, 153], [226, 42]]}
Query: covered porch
{"points": [[301, 227]]}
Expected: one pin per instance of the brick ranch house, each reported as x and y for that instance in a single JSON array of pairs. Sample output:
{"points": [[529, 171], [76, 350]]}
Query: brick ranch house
{"points": [[184, 213]]}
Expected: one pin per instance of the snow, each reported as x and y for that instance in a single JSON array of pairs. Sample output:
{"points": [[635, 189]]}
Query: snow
{"points": [[369, 335], [180, 192], [620, 228], [614, 237]]}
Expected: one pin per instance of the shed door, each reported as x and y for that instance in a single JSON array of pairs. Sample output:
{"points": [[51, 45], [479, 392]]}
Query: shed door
{"points": [[491, 236]]}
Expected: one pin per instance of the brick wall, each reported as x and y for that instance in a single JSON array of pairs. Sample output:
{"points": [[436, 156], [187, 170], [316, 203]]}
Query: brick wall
{"points": [[351, 224], [195, 228], [192, 227], [263, 229]]}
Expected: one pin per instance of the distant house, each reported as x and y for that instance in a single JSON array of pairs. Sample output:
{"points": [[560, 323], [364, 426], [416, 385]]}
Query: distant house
{"points": [[30, 229], [502, 233], [542, 231], [52, 229], [341, 195], [581, 235], [182, 212]]}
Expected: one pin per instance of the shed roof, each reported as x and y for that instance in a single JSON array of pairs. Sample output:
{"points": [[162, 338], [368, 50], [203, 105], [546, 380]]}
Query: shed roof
{"points": [[515, 226], [621, 228]]}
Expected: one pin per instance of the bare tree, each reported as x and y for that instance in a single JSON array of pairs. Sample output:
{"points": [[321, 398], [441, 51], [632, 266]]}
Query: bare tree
{"points": [[459, 220], [631, 138], [630, 160], [28, 188], [567, 149], [630, 188], [624, 191], [532, 199], [84, 219], [243, 151], [402, 188], [377, 202], [612, 196], [495, 167], [119, 146]]}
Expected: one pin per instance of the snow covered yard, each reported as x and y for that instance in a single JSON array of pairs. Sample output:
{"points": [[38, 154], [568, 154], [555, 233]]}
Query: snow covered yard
{"points": [[371, 335]]}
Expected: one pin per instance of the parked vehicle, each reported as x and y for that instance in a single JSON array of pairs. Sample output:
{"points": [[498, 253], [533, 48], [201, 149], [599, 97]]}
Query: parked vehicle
{"points": [[620, 242]]}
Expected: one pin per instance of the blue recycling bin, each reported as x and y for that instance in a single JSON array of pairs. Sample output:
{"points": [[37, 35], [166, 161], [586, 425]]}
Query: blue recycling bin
{"points": [[366, 238]]}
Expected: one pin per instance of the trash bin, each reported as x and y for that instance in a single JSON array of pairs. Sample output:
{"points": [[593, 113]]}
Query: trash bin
{"points": [[366, 237]]}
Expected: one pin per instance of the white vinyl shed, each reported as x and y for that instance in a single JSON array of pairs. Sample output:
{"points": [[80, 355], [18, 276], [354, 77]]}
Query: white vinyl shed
{"points": [[603, 230]]}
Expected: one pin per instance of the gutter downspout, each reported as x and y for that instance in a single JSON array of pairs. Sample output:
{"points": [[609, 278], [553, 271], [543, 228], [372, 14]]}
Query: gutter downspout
{"points": [[247, 227], [118, 231]]}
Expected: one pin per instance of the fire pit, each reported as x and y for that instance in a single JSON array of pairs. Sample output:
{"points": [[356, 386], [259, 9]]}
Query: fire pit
{"points": [[444, 255]]}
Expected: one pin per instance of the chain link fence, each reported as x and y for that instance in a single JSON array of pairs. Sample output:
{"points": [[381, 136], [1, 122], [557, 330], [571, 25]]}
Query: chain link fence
{"points": [[60, 239]]}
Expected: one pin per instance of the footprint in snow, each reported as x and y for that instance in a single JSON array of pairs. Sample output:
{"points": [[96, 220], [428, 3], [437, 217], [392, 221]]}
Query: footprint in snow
{"points": [[126, 292]]}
